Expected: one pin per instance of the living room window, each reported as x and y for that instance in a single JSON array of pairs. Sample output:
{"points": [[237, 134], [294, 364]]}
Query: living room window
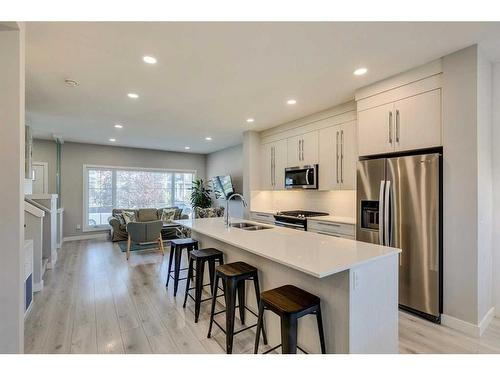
{"points": [[106, 188]]}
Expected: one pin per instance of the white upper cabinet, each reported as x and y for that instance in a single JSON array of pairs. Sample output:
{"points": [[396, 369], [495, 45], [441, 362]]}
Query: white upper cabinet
{"points": [[302, 149], [418, 121], [376, 130], [337, 157], [273, 165]]}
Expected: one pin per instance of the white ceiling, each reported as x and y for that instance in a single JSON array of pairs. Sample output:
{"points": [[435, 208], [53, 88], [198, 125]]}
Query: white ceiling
{"points": [[210, 77]]}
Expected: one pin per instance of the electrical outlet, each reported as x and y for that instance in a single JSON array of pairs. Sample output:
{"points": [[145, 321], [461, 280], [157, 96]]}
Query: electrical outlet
{"points": [[78, 227]]}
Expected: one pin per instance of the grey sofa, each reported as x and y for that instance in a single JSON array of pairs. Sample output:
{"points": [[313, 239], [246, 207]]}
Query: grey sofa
{"points": [[119, 230]]}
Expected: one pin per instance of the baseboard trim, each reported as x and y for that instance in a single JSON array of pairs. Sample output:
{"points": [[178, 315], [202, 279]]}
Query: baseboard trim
{"points": [[86, 237], [485, 322], [474, 330]]}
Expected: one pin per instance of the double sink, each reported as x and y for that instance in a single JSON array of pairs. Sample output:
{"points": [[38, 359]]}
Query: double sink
{"points": [[249, 226]]}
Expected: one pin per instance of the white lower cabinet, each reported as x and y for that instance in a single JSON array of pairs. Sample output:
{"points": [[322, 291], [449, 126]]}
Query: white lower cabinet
{"points": [[331, 228], [262, 217], [337, 157]]}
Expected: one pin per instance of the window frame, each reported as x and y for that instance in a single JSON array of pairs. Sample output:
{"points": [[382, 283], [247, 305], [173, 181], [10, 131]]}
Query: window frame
{"points": [[86, 167]]}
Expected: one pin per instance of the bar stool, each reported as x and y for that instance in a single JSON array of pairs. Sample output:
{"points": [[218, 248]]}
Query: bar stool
{"points": [[176, 247], [290, 303], [197, 260], [233, 277]]}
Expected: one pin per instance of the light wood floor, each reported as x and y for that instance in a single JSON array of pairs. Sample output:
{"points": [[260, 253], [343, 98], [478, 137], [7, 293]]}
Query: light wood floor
{"points": [[96, 302]]}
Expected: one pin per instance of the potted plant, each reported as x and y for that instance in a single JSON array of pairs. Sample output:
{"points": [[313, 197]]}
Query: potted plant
{"points": [[200, 194]]}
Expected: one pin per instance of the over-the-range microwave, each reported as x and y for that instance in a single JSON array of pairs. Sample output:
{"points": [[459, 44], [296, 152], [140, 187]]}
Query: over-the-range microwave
{"points": [[303, 177]]}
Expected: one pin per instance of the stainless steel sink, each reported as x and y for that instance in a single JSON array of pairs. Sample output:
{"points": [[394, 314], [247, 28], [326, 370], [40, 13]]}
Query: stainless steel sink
{"points": [[249, 226]]}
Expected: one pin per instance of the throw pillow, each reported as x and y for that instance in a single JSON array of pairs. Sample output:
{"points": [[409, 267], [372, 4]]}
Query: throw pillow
{"points": [[168, 215], [128, 216], [121, 219]]}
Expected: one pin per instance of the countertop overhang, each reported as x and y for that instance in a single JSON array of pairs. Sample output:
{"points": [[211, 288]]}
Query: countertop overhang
{"points": [[314, 254]]}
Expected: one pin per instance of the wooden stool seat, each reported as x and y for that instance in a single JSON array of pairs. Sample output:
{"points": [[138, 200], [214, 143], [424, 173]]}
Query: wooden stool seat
{"points": [[176, 247], [197, 260], [288, 299], [233, 277], [205, 253], [236, 269], [290, 303]]}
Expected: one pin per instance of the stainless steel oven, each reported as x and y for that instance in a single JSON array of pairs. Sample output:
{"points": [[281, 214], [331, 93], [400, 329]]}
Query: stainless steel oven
{"points": [[304, 177]]}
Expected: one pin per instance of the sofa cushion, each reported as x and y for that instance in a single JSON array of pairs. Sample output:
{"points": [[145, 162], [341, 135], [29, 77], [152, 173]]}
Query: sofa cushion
{"points": [[147, 214], [128, 216], [168, 215]]}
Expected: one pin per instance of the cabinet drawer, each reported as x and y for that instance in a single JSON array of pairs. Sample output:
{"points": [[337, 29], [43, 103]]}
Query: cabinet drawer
{"points": [[339, 235], [331, 227], [262, 217]]}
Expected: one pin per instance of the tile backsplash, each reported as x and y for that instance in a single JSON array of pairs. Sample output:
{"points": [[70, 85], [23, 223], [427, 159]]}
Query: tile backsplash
{"points": [[339, 203]]}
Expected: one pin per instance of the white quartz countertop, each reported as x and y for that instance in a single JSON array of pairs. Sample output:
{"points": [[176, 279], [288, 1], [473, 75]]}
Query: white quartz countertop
{"points": [[335, 219], [311, 253]]}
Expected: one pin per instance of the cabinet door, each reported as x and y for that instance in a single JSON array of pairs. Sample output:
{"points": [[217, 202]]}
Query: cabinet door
{"points": [[329, 158], [310, 148], [418, 121], [294, 155], [348, 156], [280, 163], [266, 178], [376, 130]]}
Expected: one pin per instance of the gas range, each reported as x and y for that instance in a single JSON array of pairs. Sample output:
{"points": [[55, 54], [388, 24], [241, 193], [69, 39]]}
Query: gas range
{"points": [[295, 219]]}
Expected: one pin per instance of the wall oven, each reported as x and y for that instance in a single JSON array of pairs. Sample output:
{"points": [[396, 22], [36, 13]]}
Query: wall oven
{"points": [[304, 177]]}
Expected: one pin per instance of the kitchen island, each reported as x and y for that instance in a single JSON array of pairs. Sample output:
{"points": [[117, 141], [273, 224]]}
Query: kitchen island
{"points": [[356, 281]]}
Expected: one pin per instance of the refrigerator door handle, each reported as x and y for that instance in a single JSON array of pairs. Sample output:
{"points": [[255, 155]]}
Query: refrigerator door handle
{"points": [[381, 213], [387, 214]]}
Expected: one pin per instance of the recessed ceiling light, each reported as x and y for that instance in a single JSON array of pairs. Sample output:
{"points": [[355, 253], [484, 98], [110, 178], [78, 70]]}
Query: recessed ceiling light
{"points": [[132, 95], [360, 71], [291, 102], [112, 140], [149, 59], [70, 83], [187, 148], [250, 120], [118, 126], [208, 138]]}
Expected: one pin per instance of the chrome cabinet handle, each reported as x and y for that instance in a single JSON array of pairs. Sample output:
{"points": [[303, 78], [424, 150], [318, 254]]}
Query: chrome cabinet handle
{"points": [[397, 125], [337, 161], [342, 156], [390, 127], [329, 234], [329, 224]]}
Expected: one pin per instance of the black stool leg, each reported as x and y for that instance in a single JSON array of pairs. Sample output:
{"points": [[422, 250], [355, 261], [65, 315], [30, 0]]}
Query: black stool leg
{"points": [[212, 310], [177, 267], [171, 257], [259, 327], [230, 296], [188, 281], [241, 300], [289, 334], [257, 294], [320, 330], [200, 269], [211, 273]]}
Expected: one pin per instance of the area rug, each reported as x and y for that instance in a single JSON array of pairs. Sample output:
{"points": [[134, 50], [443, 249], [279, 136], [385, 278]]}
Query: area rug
{"points": [[139, 247]]}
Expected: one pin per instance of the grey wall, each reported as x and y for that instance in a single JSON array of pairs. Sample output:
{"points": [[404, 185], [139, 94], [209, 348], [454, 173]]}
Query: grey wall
{"points": [[12, 187], [44, 150], [496, 187], [75, 155], [228, 161]]}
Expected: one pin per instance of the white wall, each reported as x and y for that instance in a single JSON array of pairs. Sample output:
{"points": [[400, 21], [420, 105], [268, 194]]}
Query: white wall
{"points": [[496, 186], [12, 188], [228, 162]]}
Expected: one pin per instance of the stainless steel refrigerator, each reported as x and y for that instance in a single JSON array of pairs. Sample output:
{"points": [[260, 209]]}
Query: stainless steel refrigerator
{"points": [[399, 205]]}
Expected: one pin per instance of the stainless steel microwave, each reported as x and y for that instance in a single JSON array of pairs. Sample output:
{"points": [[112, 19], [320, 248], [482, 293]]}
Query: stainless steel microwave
{"points": [[304, 177]]}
